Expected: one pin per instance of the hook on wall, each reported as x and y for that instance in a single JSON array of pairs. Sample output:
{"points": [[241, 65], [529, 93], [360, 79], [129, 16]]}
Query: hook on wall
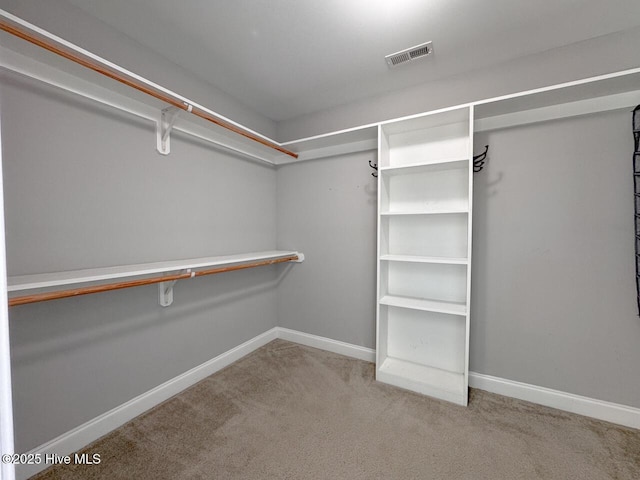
{"points": [[479, 160], [375, 167]]}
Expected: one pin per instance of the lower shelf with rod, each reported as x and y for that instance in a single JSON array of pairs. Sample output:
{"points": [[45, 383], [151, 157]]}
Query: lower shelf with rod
{"points": [[138, 275]]}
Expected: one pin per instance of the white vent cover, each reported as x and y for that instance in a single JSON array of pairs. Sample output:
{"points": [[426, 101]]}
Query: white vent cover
{"points": [[409, 54]]}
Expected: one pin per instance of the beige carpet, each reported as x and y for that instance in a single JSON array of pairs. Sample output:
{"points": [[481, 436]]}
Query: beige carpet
{"points": [[293, 412]]}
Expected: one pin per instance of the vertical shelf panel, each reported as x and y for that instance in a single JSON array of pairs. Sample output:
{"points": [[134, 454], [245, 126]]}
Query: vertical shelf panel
{"points": [[383, 148], [469, 244]]}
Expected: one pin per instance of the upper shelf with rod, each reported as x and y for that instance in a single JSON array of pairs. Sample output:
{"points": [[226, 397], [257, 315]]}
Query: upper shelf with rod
{"points": [[33, 52], [612, 91], [36, 53]]}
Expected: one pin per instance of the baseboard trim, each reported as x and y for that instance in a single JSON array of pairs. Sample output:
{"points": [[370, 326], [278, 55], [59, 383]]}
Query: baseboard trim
{"points": [[91, 431], [590, 407], [324, 343]]}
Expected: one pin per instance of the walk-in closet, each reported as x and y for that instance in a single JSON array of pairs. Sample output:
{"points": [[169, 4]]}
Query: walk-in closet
{"points": [[300, 240]]}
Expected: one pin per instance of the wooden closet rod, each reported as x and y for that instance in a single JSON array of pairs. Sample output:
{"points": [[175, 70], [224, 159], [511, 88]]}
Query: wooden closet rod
{"points": [[139, 86], [43, 297]]}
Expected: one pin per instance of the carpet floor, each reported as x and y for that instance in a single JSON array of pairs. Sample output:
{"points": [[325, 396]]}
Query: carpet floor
{"points": [[292, 412]]}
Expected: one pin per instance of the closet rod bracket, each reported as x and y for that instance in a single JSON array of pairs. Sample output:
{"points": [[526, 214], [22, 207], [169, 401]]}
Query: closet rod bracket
{"points": [[165, 290], [164, 125]]}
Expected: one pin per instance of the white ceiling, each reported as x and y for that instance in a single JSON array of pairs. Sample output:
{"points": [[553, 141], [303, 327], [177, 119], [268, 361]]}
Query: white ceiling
{"points": [[285, 58]]}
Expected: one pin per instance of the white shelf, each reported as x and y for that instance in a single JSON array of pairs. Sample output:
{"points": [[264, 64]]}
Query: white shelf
{"points": [[426, 166], [424, 259], [423, 379], [424, 304], [426, 121], [431, 211], [335, 143], [74, 277], [563, 95]]}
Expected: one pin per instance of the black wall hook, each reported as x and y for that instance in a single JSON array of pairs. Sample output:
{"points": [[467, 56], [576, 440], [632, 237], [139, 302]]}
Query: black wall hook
{"points": [[479, 160], [375, 167]]}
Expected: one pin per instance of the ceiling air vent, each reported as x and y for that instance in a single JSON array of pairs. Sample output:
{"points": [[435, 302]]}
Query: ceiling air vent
{"points": [[409, 54]]}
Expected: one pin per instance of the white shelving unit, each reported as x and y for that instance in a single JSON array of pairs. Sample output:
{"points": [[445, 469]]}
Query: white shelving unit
{"points": [[424, 253]]}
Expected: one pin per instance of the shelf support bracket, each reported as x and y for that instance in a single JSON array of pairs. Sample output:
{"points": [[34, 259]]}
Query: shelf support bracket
{"points": [[164, 125], [165, 290]]}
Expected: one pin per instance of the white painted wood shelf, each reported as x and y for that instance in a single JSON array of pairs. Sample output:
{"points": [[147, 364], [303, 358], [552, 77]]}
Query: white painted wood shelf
{"points": [[426, 166], [424, 259], [424, 304], [77, 277], [430, 211]]}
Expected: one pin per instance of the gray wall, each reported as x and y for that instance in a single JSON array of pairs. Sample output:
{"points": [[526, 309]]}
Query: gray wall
{"points": [[327, 209], [597, 56], [84, 187], [553, 295], [74, 25]]}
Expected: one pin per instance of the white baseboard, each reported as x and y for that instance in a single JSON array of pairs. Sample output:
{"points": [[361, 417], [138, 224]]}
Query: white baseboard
{"points": [[323, 343], [590, 407], [89, 432]]}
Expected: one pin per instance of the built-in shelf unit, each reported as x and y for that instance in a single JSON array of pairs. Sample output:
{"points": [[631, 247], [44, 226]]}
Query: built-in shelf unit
{"points": [[424, 247]]}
